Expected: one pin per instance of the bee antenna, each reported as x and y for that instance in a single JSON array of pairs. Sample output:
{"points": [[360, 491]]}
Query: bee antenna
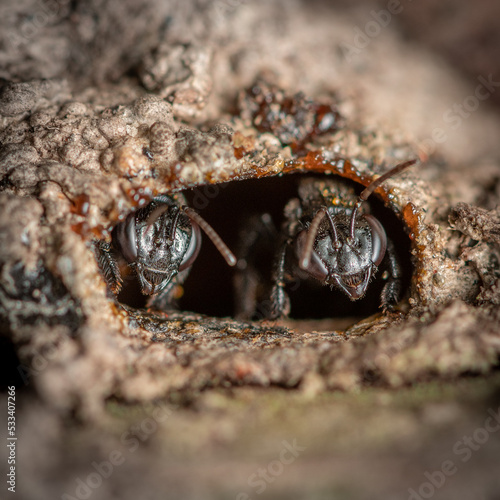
{"points": [[333, 227], [156, 213], [173, 230], [311, 236], [374, 185], [210, 232]]}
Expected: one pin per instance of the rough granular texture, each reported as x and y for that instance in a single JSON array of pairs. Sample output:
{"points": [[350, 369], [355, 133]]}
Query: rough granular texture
{"points": [[102, 107], [73, 167]]}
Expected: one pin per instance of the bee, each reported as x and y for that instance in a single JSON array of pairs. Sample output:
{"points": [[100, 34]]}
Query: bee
{"points": [[328, 236], [159, 242]]}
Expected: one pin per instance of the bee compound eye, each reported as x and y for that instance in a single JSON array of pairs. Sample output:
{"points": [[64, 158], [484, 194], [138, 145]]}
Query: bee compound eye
{"points": [[126, 238], [379, 239], [193, 248], [316, 267]]}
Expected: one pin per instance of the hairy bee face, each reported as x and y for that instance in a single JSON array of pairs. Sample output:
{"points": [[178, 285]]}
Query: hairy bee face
{"points": [[158, 241], [341, 261]]}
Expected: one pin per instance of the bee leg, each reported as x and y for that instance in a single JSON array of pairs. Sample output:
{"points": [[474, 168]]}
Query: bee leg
{"points": [[166, 300], [108, 265], [256, 246], [246, 285], [280, 302], [392, 289]]}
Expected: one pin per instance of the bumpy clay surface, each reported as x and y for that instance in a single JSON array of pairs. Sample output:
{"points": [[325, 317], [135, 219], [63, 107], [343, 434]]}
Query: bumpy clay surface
{"points": [[102, 108]]}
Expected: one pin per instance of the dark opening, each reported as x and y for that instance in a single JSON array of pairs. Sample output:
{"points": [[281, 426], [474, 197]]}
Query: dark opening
{"points": [[12, 373], [226, 207], [209, 287]]}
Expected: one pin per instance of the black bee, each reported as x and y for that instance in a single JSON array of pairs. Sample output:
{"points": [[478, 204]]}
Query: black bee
{"points": [[327, 235], [159, 242]]}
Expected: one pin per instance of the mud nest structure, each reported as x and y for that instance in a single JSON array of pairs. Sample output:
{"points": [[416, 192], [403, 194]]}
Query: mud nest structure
{"points": [[103, 109]]}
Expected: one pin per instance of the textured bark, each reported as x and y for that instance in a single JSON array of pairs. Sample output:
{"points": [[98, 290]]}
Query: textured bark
{"points": [[103, 107]]}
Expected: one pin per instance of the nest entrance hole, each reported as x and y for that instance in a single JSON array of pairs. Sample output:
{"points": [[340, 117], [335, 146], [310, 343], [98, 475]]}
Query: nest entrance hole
{"points": [[209, 288]]}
